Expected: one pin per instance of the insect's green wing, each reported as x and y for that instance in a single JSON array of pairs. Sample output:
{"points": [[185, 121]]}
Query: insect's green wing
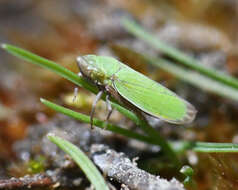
{"points": [[153, 98]]}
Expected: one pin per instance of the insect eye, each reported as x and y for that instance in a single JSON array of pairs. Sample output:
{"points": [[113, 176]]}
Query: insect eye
{"points": [[91, 62]]}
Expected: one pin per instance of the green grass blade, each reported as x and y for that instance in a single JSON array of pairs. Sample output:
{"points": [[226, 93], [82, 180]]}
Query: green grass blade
{"points": [[98, 123], [206, 147], [214, 147], [184, 59], [195, 79], [52, 66], [82, 160]]}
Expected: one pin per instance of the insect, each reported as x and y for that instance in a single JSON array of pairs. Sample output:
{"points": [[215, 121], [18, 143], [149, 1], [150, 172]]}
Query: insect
{"points": [[134, 90]]}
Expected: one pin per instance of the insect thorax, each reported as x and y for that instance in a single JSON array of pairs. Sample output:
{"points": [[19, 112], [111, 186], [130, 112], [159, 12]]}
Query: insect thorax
{"points": [[100, 78]]}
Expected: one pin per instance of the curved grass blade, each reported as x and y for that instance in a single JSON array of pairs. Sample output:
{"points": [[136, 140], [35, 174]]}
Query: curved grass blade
{"points": [[48, 64], [98, 123], [82, 160], [188, 61]]}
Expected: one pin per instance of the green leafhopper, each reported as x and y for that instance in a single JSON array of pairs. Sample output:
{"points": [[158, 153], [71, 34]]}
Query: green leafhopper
{"points": [[134, 90]]}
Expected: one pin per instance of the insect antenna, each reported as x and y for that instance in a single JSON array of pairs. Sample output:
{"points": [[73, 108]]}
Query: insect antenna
{"points": [[112, 77]]}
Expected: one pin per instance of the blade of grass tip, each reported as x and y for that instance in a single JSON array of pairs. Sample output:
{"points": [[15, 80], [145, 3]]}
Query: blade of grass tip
{"points": [[124, 132], [188, 61], [82, 160], [40, 61]]}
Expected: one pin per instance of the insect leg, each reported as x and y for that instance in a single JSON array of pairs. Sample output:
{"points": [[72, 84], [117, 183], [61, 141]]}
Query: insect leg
{"points": [[75, 93], [98, 97], [109, 107], [76, 89]]}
